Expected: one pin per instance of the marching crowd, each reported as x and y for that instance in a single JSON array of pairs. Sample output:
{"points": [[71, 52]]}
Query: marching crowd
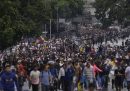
{"points": [[98, 36], [61, 64]]}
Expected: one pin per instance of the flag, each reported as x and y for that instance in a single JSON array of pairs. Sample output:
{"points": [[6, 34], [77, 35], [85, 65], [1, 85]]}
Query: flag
{"points": [[40, 40]]}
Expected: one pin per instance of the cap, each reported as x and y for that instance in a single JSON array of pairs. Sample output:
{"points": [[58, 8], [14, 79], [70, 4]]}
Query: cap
{"points": [[61, 64], [7, 65]]}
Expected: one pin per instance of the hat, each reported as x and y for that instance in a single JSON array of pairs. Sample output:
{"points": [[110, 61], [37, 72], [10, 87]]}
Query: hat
{"points": [[7, 65], [87, 63], [19, 61], [69, 59], [61, 64], [51, 62], [12, 67]]}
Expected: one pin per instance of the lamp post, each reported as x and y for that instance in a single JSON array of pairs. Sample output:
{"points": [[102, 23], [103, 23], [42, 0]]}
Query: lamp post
{"points": [[50, 28], [57, 18], [45, 28]]}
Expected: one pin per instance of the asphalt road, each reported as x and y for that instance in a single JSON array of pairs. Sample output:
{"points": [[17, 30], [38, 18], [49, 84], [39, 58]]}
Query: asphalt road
{"points": [[26, 88]]}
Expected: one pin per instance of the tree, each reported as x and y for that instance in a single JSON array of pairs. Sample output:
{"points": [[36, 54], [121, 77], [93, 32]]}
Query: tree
{"points": [[68, 8], [21, 18], [109, 11], [10, 22]]}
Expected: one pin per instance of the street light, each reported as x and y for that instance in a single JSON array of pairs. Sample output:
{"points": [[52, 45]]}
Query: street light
{"points": [[50, 28], [57, 18]]}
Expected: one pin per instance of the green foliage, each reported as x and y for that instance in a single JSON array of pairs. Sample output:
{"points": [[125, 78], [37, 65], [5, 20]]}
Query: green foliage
{"points": [[68, 8], [112, 10], [20, 18]]}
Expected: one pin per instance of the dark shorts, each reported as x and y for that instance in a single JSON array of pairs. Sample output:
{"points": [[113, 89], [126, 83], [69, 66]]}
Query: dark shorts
{"points": [[128, 84], [91, 84], [118, 83], [45, 87]]}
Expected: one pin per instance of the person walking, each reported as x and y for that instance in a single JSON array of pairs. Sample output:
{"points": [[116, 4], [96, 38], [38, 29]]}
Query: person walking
{"points": [[20, 81], [45, 78], [118, 78], [54, 75], [69, 74], [35, 78], [8, 78], [90, 76], [127, 75], [61, 77]]}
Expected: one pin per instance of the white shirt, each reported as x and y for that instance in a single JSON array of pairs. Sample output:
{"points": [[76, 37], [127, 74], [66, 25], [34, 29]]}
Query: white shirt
{"points": [[112, 72], [35, 75], [127, 72], [90, 72], [61, 72]]}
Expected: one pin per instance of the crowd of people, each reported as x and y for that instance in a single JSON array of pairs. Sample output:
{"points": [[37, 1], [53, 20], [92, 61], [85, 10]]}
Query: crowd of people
{"points": [[59, 63], [98, 35]]}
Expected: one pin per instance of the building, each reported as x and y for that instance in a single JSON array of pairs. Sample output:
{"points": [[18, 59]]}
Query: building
{"points": [[89, 11], [88, 6]]}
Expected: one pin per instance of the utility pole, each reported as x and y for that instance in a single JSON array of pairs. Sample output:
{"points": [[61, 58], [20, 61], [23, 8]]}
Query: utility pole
{"points": [[28, 2], [50, 28], [57, 19], [45, 28], [45, 31]]}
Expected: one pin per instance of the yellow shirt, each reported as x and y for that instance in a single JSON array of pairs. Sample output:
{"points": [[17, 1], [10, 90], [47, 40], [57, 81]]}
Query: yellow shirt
{"points": [[112, 63]]}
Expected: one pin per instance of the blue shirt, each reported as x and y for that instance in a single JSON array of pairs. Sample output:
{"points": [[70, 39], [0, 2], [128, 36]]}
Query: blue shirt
{"points": [[45, 77], [54, 72], [69, 74], [8, 80]]}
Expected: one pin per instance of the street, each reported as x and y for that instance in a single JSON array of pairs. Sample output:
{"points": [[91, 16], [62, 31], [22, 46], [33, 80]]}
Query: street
{"points": [[25, 88]]}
